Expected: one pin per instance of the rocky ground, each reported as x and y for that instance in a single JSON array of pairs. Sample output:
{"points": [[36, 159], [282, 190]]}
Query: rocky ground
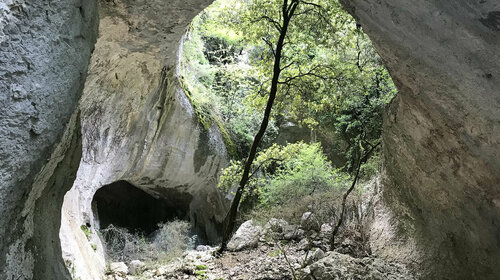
{"points": [[273, 252]]}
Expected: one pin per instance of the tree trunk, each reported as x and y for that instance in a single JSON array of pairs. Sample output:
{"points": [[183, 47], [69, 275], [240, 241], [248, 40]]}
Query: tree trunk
{"points": [[346, 195], [230, 220]]}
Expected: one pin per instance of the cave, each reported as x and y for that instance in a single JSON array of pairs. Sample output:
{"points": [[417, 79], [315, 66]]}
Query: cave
{"points": [[440, 139], [125, 205]]}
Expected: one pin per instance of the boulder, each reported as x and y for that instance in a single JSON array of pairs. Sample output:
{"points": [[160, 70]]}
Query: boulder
{"points": [[326, 230], [247, 236], [276, 225], [304, 244], [308, 222], [315, 256], [203, 248], [119, 268], [135, 267], [282, 230]]}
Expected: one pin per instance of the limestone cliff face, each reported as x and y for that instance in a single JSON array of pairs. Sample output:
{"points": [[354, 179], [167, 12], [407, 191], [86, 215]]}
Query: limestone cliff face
{"points": [[138, 125], [441, 134], [441, 195], [44, 52]]}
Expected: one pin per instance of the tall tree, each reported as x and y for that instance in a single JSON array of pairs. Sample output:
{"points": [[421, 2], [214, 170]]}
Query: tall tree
{"points": [[288, 10]]}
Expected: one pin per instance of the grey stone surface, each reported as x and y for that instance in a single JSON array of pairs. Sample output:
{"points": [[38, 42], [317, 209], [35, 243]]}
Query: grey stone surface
{"points": [[335, 266], [280, 229], [247, 236], [44, 52], [308, 222], [119, 268], [139, 126], [135, 267], [441, 136], [315, 256]]}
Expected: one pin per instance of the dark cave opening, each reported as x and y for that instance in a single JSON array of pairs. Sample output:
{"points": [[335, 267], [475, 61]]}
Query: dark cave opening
{"points": [[125, 205]]}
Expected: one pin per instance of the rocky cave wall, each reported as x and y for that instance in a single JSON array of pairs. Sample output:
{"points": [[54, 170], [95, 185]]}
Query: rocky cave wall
{"points": [[45, 48], [441, 136], [139, 126]]}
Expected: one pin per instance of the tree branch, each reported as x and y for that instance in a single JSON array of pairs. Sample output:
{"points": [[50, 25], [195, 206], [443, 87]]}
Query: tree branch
{"points": [[344, 198]]}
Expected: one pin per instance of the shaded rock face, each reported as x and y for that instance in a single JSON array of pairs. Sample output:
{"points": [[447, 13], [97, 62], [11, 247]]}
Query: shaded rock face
{"points": [[139, 127], [441, 134], [44, 52], [137, 123]]}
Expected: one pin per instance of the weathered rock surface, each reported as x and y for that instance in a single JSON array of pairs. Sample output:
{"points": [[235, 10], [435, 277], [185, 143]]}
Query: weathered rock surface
{"points": [[44, 52], [135, 267], [309, 222], [280, 229], [119, 268], [247, 236], [335, 266], [441, 134], [138, 125]]}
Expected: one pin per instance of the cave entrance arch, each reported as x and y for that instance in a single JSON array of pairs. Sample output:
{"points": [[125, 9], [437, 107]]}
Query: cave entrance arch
{"points": [[125, 205]]}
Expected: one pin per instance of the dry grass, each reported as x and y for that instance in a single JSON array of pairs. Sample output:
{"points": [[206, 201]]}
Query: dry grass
{"points": [[326, 207], [168, 242]]}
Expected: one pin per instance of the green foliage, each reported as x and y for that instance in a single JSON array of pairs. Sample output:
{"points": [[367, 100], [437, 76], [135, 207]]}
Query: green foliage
{"points": [[86, 231], [282, 174], [370, 168], [275, 253], [332, 78], [201, 267], [217, 78], [303, 173]]}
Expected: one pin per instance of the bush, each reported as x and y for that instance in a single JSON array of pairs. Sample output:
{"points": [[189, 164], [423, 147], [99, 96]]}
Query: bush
{"points": [[303, 173], [173, 237], [167, 243], [282, 174], [323, 205], [121, 245]]}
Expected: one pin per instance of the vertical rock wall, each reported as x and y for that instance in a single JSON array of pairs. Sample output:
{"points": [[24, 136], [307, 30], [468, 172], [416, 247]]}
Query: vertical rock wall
{"points": [[45, 47], [441, 197], [138, 126], [441, 134]]}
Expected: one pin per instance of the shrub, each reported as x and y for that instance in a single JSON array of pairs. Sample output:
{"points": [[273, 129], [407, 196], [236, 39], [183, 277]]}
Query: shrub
{"points": [[324, 205], [303, 173], [282, 174], [168, 242], [173, 237], [86, 231]]}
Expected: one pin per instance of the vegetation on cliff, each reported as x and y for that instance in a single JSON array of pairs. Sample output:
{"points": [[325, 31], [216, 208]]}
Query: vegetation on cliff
{"points": [[332, 82]]}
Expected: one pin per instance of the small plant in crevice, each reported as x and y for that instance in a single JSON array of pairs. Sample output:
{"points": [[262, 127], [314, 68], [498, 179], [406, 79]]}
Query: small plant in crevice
{"points": [[86, 231], [166, 243]]}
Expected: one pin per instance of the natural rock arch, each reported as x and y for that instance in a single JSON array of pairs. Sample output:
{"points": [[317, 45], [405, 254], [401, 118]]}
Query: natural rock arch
{"points": [[441, 134]]}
